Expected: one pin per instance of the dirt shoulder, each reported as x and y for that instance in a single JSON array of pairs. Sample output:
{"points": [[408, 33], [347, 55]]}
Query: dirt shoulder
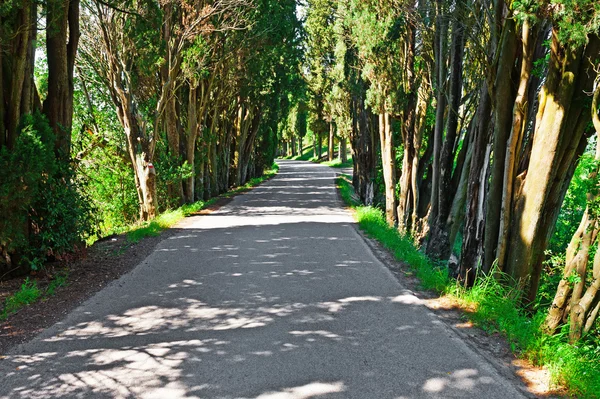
{"points": [[88, 273]]}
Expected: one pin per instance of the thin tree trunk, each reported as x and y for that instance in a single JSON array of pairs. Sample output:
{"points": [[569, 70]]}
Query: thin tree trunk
{"points": [[503, 101], [192, 134], [389, 169], [440, 73], [20, 50], [331, 144], [438, 245]]}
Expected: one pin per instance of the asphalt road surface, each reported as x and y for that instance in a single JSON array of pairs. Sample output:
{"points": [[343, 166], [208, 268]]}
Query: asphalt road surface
{"points": [[274, 296]]}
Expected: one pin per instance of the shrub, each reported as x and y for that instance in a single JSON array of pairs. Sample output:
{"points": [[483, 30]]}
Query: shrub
{"points": [[44, 212]]}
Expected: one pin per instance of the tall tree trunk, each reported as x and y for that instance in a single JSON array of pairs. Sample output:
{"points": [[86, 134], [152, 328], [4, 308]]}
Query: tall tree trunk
{"points": [[472, 248], [252, 127], [388, 163], [440, 73], [364, 150], [558, 142], [331, 142], [515, 140], [62, 39], [407, 189], [141, 154], [439, 246], [503, 101], [171, 122], [16, 72], [193, 129]]}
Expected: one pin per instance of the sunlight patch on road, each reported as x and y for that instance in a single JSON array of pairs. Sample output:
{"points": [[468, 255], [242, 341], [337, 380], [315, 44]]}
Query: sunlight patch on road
{"points": [[307, 391]]}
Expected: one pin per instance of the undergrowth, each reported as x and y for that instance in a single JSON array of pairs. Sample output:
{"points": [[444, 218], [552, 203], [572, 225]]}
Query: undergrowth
{"points": [[491, 305], [30, 293]]}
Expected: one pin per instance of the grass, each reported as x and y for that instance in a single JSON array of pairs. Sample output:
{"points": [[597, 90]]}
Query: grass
{"points": [[337, 163], [27, 294], [30, 293], [494, 307], [168, 219], [307, 155]]}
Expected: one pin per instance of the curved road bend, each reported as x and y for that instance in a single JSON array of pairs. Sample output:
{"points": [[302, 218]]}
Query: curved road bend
{"points": [[275, 296]]}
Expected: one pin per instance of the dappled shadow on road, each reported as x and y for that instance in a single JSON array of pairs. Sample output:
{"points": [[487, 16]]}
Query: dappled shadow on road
{"points": [[291, 306]]}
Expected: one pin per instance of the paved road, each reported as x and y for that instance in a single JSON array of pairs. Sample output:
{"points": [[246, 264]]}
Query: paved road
{"points": [[275, 296]]}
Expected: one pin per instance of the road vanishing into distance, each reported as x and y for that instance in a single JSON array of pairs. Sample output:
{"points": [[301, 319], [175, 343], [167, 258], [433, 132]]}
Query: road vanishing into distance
{"points": [[274, 296]]}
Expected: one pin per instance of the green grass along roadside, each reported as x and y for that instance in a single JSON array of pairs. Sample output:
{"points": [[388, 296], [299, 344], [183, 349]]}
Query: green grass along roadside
{"points": [[30, 293], [575, 367], [170, 218]]}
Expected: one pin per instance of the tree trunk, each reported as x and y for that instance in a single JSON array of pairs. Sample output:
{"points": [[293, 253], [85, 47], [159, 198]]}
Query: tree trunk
{"points": [[331, 142], [62, 38], [440, 73], [515, 140], [18, 59], [411, 147], [503, 101], [472, 248], [558, 142], [193, 129], [584, 306], [364, 153], [439, 246], [343, 151], [388, 163], [171, 121], [252, 127]]}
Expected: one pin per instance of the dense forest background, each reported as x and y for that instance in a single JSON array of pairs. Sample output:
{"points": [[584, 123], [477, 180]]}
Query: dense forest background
{"points": [[473, 125]]}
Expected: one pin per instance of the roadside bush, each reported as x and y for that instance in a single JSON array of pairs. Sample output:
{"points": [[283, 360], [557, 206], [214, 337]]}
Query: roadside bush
{"points": [[44, 212]]}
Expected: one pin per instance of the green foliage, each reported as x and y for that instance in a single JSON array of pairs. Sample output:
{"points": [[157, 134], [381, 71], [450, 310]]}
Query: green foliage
{"points": [[28, 294], [574, 203], [46, 212], [497, 307], [60, 280], [575, 19]]}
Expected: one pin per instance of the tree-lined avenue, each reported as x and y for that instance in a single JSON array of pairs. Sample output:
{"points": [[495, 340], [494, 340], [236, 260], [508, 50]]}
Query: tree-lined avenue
{"points": [[273, 296]]}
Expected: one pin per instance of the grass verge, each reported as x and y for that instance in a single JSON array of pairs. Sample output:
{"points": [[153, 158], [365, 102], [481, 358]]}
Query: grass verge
{"points": [[30, 293], [337, 163], [495, 307], [170, 218]]}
